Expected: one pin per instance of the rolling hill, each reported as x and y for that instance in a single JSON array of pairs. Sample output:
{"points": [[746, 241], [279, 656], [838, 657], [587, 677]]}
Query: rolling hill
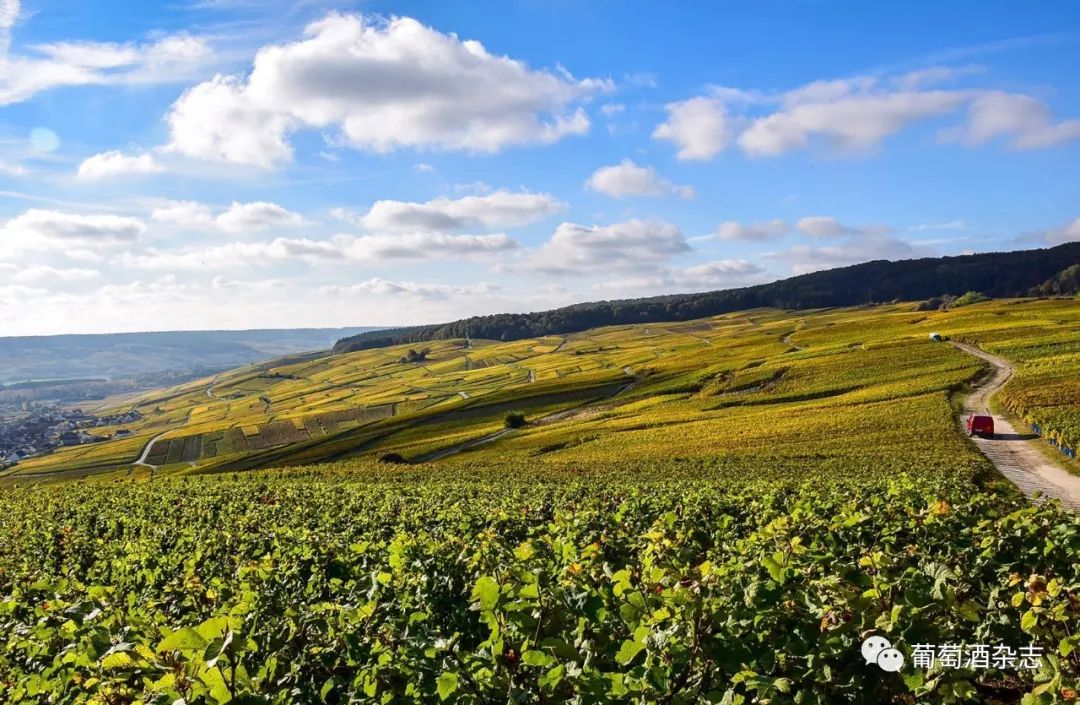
{"points": [[789, 381], [998, 274], [707, 511]]}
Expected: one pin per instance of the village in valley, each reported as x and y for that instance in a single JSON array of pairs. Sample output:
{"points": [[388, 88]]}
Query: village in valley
{"points": [[41, 429]]}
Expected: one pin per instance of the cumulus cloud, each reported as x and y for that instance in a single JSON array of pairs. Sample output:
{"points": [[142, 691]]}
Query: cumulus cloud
{"points": [[342, 249], [116, 163], [1024, 122], [217, 121], [752, 232], [699, 127], [38, 229], [850, 116], [237, 218], [855, 115], [383, 86], [628, 179], [259, 215], [827, 226], [633, 244], [418, 290], [500, 209]]}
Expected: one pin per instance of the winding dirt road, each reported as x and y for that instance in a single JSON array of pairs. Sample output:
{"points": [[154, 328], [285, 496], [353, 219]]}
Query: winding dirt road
{"points": [[146, 453], [1017, 455], [786, 340]]}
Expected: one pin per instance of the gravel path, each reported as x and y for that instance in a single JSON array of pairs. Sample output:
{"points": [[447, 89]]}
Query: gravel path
{"points": [[1017, 455]]}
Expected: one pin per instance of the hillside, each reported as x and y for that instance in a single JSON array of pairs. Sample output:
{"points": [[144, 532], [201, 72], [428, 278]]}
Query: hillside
{"points": [[609, 394], [717, 510], [998, 274]]}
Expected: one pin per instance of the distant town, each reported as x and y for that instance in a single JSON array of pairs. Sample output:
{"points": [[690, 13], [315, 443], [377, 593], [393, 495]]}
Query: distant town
{"points": [[42, 429]]}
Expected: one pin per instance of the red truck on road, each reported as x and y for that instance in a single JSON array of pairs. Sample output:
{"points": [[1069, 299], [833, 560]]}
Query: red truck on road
{"points": [[978, 425]]}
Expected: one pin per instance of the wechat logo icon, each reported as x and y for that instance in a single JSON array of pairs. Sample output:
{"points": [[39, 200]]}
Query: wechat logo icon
{"points": [[878, 649]]}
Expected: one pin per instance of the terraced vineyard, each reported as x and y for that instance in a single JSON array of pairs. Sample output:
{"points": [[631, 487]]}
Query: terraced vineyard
{"points": [[713, 511]]}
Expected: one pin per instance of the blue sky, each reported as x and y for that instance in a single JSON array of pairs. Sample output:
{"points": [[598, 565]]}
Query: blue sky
{"points": [[236, 164]]}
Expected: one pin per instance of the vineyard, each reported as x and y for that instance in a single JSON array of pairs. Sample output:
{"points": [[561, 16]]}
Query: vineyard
{"points": [[764, 373], [715, 511], [361, 584]]}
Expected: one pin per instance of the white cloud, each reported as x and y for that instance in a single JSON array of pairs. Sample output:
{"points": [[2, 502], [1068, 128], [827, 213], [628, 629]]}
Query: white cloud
{"points": [[184, 213], [1025, 122], [38, 229], [418, 290], [385, 86], [9, 15], [259, 215], [752, 232], [236, 255], [827, 226], [221, 283], [499, 209], [944, 225], [921, 78], [863, 248], [346, 215], [628, 179], [342, 249], [45, 274], [847, 115], [237, 218], [168, 285], [216, 120], [14, 297], [699, 127], [709, 275], [115, 163], [417, 246], [633, 244], [1070, 232], [168, 60], [855, 115]]}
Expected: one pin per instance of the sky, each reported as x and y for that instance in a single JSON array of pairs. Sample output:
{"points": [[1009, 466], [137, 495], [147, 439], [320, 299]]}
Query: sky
{"points": [[230, 164]]}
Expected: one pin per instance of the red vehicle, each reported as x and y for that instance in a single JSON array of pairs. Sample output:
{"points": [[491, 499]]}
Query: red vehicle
{"points": [[980, 426]]}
